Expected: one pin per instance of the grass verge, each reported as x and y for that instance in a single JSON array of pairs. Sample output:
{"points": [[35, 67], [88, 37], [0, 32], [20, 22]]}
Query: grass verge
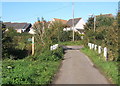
{"points": [[72, 43], [109, 68]]}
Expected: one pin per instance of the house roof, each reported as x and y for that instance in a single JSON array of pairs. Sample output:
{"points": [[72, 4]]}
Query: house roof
{"points": [[107, 15], [39, 22], [81, 30], [17, 25], [70, 21], [63, 21]]}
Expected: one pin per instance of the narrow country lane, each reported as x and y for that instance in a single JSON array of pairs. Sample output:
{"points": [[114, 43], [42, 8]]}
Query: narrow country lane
{"points": [[76, 68]]}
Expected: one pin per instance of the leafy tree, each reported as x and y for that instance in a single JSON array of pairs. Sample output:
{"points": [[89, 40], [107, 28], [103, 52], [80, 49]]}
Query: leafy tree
{"points": [[7, 41], [14, 45], [104, 21], [106, 34], [57, 29], [39, 30]]}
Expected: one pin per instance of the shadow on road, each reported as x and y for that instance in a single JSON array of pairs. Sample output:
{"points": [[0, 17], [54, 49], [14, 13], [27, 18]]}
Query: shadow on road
{"points": [[72, 47]]}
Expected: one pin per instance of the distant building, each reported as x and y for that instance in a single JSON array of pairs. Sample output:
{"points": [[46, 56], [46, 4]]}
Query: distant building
{"points": [[59, 20], [19, 27], [37, 25], [78, 25], [107, 15]]}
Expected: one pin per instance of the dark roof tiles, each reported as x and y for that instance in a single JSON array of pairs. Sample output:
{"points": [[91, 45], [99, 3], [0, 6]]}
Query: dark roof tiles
{"points": [[70, 21], [63, 21], [17, 25]]}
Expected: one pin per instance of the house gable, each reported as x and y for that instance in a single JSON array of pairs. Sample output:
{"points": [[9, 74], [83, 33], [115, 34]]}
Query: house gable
{"points": [[80, 24], [70, 22]]}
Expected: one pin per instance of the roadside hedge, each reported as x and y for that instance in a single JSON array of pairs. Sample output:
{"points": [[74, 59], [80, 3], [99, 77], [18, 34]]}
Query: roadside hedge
{"points": [[39, 69]]}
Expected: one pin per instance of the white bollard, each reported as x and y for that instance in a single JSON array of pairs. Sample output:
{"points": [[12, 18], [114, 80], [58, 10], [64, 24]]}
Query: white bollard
{"points": [[51, 47], [105, 53], [92, 46], [54, 47], [99, 49], [95, 48]]}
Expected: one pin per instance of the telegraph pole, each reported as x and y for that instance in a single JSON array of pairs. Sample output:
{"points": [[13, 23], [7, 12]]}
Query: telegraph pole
{"points": [[94, 22], [73, 19]]}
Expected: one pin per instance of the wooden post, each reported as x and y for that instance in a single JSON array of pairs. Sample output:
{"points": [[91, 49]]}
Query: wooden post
{"points": [[94, 22], [33, 45]]}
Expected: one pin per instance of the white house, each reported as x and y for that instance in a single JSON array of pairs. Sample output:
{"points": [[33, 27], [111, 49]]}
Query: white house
{"points": [[19, 27], [78, 25], [32, 31]]}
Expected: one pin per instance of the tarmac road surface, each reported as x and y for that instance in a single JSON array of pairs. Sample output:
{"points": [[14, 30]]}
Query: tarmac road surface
{"points": [[77, 68]]}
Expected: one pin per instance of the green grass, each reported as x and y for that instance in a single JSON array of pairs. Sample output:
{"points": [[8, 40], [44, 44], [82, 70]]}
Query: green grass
{"points": [[72, 43], [108, 68], [39, 69]]}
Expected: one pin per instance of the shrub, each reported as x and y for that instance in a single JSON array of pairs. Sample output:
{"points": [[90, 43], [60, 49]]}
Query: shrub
{"points": [[38, 69], [105, 35]]}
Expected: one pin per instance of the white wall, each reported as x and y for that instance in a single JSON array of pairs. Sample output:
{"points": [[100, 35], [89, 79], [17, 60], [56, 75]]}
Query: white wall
{"points": [[19, 30], [32, 31], [67, 29], [80, 24]]}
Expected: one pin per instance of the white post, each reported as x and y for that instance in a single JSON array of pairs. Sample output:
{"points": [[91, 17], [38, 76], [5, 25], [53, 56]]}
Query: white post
{"points": [[54, 47], [105, 53], [73, 20], [99, 49], [95, 47], [92, 46]]}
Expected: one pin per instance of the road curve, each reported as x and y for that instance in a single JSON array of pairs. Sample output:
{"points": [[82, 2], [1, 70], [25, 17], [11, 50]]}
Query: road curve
{"points": [[77, 68]]}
